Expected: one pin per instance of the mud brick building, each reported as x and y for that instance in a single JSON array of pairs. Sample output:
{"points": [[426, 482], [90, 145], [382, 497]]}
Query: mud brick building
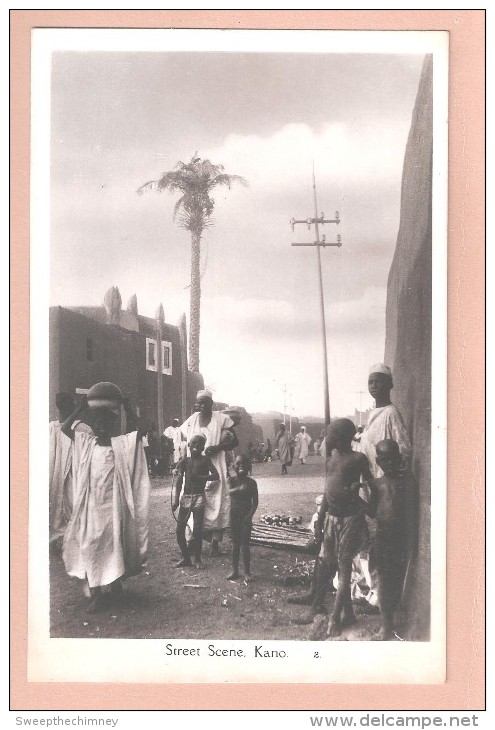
{"points": [[146, 357]]}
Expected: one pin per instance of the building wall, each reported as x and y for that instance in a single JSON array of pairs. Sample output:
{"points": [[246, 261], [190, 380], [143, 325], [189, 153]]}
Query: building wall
{"points": [[118, 355], [408, 335], [247, 431], [269, 424]]}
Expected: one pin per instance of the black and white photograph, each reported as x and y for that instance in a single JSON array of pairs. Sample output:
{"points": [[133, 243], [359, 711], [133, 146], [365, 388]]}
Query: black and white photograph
{"points": [[238, 369]]}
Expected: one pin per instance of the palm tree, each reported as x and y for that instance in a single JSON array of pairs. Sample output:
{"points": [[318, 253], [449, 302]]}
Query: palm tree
{"points": [[194, 180]]}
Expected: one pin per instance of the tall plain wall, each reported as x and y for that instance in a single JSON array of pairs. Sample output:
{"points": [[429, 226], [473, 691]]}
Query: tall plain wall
{"points": [[408, 336]]}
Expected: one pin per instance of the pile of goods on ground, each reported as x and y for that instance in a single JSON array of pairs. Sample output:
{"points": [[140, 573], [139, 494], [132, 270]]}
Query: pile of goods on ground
{"points": [[283, 532], [298, 574], [280, 520]]}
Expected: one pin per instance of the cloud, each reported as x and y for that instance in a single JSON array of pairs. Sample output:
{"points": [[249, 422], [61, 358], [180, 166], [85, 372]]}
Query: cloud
{"points": [[261, 319], [370, 154], [251, 347]]}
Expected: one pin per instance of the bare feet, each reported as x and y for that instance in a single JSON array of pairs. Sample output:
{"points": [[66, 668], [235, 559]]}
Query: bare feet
{"points": [[183, 564], [248, 578], [334, 628], [233, 576], [199, 565]]}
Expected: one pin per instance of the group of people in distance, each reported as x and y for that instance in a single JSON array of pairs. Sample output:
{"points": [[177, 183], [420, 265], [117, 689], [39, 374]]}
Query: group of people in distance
{"points": [[99, 498]]}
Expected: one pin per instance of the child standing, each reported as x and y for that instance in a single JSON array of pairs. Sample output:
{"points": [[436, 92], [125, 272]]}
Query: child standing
{"points": [[193, 472], [243, 504], [392, 504], [341, 524]]}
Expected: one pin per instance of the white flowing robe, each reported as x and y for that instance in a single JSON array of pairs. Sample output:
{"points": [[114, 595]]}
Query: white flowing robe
{"points": [[61, 490], [216, 493], [60, 480], [175, 435], [384, 423], [107, 536], [303, 441]]}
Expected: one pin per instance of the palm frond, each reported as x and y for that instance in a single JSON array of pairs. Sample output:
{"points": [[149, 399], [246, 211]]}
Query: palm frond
{"points": [[177, 207], [150, 185], [194, 180], [227, 180]]}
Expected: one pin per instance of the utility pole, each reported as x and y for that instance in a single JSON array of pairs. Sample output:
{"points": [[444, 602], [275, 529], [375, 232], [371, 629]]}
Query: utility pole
{"points": [[360, 393], [285, 401], [323, 243]]}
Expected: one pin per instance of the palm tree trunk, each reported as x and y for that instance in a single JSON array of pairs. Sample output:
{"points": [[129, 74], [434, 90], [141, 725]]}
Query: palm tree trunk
{"points": [[195, 303]]}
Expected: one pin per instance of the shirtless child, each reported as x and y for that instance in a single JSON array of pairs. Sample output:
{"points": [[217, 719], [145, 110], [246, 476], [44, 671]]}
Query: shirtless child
{"points": [[392, 504], [341, 524], [194, 472], [243, 494]]}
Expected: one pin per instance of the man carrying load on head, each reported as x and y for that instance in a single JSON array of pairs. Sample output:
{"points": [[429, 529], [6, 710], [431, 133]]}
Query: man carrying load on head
{"points": [[107, 536]]}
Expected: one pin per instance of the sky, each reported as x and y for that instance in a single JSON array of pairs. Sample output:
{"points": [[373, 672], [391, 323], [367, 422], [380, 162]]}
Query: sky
{"points": [[119, 119]]}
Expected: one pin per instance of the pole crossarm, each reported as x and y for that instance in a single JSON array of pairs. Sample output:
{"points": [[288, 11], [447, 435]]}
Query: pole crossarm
{"points": [[320, 220], [320, 242], [323, 244]]}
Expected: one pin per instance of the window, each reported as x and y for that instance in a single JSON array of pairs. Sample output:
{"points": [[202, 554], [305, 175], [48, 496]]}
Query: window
{"points": [[89, 349], [159, 360], [167, 358], [151, 354]]}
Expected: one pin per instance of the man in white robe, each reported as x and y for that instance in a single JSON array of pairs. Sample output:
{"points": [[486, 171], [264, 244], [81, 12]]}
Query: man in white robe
{"points": [[216, 427], [107, 536], [303, 440], [173, 433], [384, 422]]}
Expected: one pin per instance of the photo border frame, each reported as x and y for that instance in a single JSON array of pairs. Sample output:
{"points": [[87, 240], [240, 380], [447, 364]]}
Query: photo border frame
{"points": [[465, 685]]}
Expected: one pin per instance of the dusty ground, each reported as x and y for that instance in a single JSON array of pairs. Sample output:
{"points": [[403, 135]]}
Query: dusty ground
{"points": [[159, 604]]}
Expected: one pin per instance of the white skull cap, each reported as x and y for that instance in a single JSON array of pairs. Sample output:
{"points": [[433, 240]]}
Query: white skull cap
{"points": [[380, 368], [204, 394]]}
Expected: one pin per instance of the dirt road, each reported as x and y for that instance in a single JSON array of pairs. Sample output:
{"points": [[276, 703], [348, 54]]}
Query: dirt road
{"points": [[166, 602]]}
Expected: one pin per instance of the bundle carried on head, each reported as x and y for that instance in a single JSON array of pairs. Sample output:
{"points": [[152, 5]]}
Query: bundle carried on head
{"points": [[104, 395]]}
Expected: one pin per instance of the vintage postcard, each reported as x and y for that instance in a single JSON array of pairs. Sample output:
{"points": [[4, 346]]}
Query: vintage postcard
{"points": [[238, 362], [232, 263]]}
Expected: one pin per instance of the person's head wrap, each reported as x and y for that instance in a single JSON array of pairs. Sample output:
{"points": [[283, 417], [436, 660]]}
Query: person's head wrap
{"points": [[380, 368], [204, 394]]}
